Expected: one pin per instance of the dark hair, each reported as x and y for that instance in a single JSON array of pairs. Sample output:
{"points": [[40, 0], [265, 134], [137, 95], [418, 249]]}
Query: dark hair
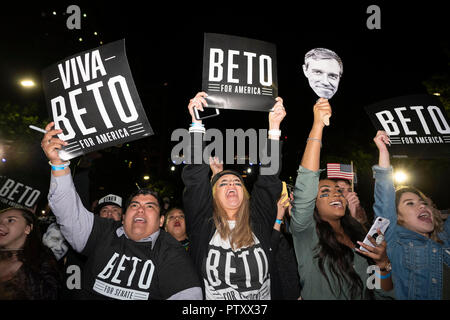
{"points": [[33, 244], [169, 210], [343, 180], [338, 256], [145, 191], [322, 53], [40, 265]]}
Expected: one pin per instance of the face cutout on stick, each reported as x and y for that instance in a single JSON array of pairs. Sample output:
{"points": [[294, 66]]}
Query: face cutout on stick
{"points": [[323, 68]]}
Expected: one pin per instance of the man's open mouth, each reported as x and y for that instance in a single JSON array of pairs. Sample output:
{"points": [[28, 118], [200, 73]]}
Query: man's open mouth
{"points": [[139, 220]]}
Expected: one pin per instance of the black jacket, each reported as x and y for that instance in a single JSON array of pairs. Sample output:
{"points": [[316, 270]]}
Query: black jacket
{"points": [[198, 205]]}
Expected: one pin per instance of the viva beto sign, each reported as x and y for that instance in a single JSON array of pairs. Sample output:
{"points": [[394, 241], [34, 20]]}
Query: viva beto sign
{"points": [[92, 97]]}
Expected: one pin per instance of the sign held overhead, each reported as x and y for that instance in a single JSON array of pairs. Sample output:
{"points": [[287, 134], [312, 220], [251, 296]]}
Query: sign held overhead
{"points": [[239, 73], [417, 125], [92, 97]]}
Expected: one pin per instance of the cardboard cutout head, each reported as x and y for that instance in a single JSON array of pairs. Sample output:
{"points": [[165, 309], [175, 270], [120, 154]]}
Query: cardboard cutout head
{"points": [[54, 239], [323, 68]]}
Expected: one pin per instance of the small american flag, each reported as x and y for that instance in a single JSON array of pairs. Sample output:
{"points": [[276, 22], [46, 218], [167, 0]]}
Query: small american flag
{"points": [[339, 171]]}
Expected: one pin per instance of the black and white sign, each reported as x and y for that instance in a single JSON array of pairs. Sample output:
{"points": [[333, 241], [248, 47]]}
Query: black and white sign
{"points": [[417, 125], [323, 68], [92, 97], [239, 73], [14, 193]]}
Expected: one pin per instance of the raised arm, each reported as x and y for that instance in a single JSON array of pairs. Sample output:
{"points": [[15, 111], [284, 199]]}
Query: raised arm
{"points": [[197, 194], [267, 188], [384, 192], [74, 219], [307, 183]]}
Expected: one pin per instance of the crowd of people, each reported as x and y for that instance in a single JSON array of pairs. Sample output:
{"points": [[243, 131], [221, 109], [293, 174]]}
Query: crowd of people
{"points": [[227, 242]]}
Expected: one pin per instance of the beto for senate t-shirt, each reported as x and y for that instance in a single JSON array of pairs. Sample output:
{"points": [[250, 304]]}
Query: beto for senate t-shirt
{"points": [[120, 268], [242, 274]]}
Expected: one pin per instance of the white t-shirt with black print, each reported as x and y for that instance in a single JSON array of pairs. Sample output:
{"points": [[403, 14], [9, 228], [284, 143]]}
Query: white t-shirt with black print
{"points": [[240, 274]]}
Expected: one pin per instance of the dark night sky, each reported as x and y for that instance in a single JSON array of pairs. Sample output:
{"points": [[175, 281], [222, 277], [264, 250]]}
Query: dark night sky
{"points": [[165, 47]]}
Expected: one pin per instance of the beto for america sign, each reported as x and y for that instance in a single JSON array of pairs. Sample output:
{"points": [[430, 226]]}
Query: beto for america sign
{"points": [[417, 125], [92, 97], [14, 193], [239, 73]]}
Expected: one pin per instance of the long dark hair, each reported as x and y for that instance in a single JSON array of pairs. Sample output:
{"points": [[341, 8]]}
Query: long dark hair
{"points": [[339, 257], [42, 278], [31, 253]]}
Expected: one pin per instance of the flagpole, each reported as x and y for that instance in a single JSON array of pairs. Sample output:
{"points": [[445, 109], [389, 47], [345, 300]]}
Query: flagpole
{"points": [[353, 175]]}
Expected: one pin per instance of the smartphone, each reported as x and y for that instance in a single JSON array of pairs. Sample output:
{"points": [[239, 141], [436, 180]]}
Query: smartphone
{"points": [[380, 223], [285, 190], [208, 113]]}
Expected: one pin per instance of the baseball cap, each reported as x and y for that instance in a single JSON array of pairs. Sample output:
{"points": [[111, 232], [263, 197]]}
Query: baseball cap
{"points": [[110, 199]]}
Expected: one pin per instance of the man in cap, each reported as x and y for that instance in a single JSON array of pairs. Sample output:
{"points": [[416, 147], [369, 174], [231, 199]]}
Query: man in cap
{"points": [[110, 207], [132, 259]]}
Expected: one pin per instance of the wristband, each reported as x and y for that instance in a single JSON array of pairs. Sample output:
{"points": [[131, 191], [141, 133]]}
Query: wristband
{"points": [[194, 124], [278, 221], [383, 277], [56, 167], [314, 139], [274, 132], [197, 129]]}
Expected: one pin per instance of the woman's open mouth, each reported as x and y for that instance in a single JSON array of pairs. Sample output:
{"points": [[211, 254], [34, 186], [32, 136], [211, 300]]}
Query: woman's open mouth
{"points": [[336, 204], [231, 193], [425, 216]]}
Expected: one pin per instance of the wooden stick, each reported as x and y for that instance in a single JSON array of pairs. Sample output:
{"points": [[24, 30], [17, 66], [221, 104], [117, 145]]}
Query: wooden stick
{"points": [[353, 176]]}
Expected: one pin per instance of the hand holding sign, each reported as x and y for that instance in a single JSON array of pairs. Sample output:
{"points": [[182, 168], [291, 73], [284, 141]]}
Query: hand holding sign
{"points": [[323, 68], [322, 110], [197, 103], [51, 145], [381, 140], [92, 97], [277, 115]]}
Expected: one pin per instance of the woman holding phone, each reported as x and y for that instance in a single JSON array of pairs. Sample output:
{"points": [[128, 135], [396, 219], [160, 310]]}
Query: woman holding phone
{"points": [[418, 239], [326, 236]]}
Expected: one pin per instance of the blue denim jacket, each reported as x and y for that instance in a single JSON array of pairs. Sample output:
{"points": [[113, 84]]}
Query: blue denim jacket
{"points": [[417, 261]]}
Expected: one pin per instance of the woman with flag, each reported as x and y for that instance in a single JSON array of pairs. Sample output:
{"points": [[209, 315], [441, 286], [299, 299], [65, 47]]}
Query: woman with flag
{"points": [[325, 235]]}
